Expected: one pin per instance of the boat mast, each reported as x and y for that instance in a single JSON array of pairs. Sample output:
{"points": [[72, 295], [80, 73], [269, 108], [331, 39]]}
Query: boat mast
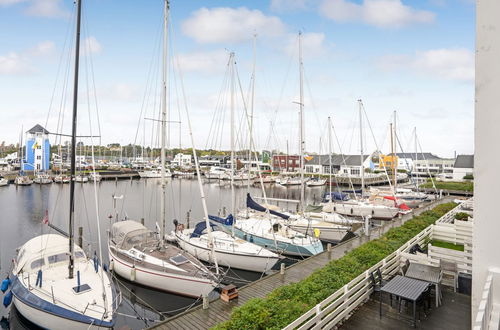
{"points": [[73, 143], [164, 119], [231, 63], [362, 169], [330, 158], [251, 115], [301, 114], [415, 161], [395, 163]]}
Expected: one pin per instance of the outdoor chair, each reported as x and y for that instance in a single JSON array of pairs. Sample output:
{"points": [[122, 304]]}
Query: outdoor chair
{"points": [[450, 274], [404, 268]]}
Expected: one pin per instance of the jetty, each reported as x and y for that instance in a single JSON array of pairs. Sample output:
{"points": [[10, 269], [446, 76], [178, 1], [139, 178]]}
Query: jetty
{"points": [[219, 311]]}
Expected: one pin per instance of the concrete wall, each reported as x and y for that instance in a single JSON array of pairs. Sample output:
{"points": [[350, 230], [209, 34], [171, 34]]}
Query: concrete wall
{"points": [[487, 118]]}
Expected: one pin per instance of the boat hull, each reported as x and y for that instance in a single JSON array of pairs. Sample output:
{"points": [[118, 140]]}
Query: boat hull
{"points": [[252, 263], [362, 211], [327, 234], [178, 284]]}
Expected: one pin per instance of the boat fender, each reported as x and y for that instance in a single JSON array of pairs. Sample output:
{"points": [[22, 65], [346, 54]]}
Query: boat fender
{"points": [[7, 299], [251, 238], [96, 262], [132, 274], [111, 265], [39, 276], [5, 284], [105, 267]]}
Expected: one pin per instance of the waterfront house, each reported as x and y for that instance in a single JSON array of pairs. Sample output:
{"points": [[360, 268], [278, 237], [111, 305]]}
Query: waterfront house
{"points": [[464, 166], [37, 155]]}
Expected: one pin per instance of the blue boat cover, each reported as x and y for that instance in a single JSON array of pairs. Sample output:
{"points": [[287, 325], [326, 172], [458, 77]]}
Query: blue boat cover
{"points": [[256, 206], [337, 196], [226, 222], [200, 227]]}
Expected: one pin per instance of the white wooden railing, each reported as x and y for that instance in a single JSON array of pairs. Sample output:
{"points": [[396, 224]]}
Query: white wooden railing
{"points": [[344, 301]]}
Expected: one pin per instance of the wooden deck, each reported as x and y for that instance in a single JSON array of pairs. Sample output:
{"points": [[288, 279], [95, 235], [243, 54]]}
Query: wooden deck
{"points": [[454, 313], [220, 311]]}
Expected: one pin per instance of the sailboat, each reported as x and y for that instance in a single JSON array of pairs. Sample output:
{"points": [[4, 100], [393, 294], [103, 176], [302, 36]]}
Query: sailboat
{"points": [[54, 284], [228, 249], [138, 254]]}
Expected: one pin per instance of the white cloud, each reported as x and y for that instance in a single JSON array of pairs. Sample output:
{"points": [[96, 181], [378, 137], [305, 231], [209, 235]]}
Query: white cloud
{"points": [[380, 13], [47, 8], [14, 63], [124, 92], [454, 63], [312, 44], [221, 25], [90, 45], [21, 62], [10, 2], [203, 62]]}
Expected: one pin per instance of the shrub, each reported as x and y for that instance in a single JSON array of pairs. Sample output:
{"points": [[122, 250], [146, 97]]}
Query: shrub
{"points": [[287, 303], [469, 177], [462, 216]]}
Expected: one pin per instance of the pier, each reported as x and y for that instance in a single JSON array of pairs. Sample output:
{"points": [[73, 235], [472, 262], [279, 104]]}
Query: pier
{"points": [[219, 311]]}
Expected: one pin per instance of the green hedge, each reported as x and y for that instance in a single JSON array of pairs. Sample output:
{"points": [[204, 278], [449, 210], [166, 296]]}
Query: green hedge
{"points": [[448, 245], [462, 216], [287, 303], [450, 185]]}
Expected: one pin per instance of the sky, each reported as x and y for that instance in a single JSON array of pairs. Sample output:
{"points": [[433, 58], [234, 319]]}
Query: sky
{"points": [[412, 57]]}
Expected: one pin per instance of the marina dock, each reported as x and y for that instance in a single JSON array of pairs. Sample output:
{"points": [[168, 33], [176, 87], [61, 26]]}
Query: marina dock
{"points": [[219, 311]]}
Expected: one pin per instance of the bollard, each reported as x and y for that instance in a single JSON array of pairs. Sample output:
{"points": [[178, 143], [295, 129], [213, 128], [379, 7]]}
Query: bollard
{"points": [[142, 221], [224, 212], [282, 269], [80, 237], [329, 247], [205, 302]]}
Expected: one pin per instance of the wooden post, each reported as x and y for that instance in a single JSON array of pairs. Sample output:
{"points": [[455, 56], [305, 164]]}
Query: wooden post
{"points": [[80, 237], [187, 218], [224, 212], [142, 221], [282, 269], [205, 302]]}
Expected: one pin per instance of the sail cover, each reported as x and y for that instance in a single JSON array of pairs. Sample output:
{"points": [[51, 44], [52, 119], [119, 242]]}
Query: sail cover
{"points": [[226, 222], [337, 196], [255, 206], [200, 227]]}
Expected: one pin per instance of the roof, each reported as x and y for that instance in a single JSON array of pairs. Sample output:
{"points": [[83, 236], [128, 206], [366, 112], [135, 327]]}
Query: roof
{"points": [[38, 129], [337, 160], [464, 161], [417, 156]]}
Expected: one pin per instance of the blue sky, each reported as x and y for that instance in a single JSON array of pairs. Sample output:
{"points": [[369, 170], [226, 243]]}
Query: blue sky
{"points": [[416, 57]]}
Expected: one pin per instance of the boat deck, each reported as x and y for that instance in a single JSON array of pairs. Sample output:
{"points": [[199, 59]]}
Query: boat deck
{"points": [[220, 311]]}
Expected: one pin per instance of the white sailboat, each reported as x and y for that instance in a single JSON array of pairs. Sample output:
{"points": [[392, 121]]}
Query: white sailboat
{"points": [[154, 173], [54, 284], [229, 250], [42, 178], [136, 253]]}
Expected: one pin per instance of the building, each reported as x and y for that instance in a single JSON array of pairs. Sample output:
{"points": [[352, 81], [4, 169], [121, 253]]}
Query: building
{"points": [[37, 157], [423, 163], [182, 160], [286, 163], [389, 162], [340, 164], [464, 165]]}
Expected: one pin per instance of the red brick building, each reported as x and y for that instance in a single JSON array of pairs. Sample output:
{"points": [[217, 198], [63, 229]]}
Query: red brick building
{"points": [[286, 163]]}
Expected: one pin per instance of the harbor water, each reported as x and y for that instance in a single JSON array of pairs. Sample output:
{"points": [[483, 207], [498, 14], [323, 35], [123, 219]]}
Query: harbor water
{"points": [[23, 208]]}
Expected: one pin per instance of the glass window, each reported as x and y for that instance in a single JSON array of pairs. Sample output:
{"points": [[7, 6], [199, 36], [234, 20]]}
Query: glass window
{"points": [[37, 263], [58, 258]]}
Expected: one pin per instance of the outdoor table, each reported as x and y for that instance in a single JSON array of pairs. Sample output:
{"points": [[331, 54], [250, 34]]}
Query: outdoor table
{"points": [[426, 273], [406, 288]]}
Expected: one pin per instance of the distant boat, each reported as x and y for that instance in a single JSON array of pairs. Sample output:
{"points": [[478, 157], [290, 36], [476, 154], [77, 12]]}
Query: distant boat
{"points": [[154, 173], [42, 178], [81, 178], [22, 180], [62, 179], [290, 181], [316, 182], [3, 181], [216, 172]]}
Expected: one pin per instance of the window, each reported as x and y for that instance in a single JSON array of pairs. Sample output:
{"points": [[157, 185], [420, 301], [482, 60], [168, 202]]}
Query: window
{"points": [[37, 263], [58, 258], [38, 157]]}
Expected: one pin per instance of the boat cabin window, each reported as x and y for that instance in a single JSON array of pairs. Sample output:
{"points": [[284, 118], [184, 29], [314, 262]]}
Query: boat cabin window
{"points": [[37, 263], [58, 258]]}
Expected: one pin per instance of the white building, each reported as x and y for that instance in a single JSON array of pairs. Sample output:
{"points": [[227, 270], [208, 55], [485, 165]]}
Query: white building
{"points": [[182, 160], [340, 164], [423, 163], [464, 165], [486, 265]]}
